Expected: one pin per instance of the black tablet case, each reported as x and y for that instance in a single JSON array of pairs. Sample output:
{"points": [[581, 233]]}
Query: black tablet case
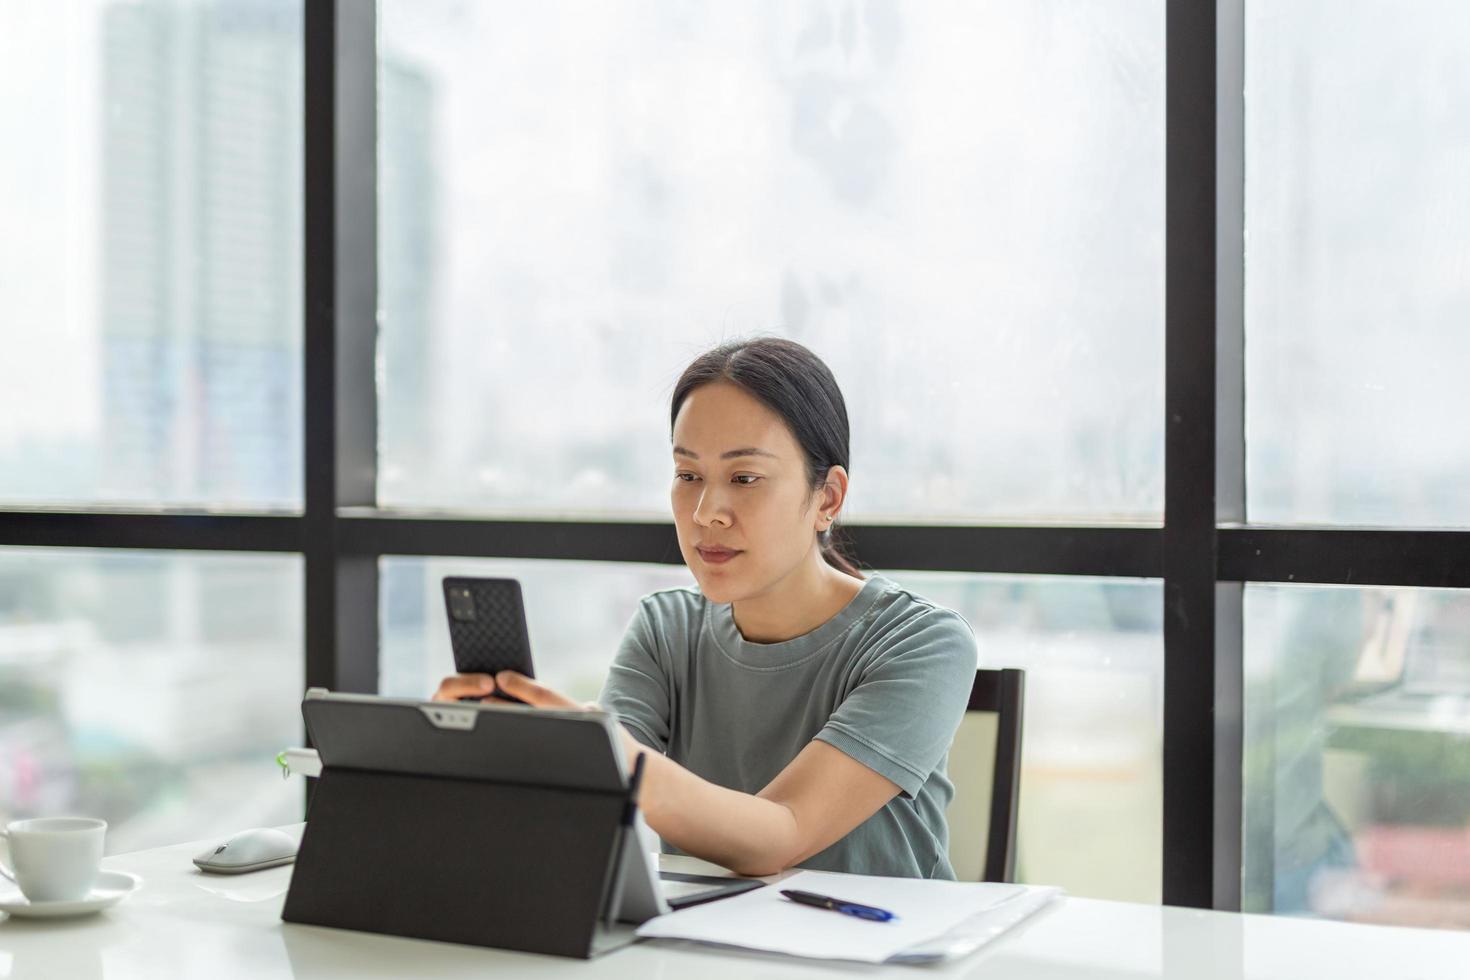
{"points": [[507, 841]]}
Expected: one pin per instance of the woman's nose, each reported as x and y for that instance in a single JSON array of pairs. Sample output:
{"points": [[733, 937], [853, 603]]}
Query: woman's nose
{"points": [[709, 510]]}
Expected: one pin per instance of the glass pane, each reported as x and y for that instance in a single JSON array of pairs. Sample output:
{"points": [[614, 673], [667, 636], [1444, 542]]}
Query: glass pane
{"points": [[1357, 297], [573, 641], [151, 689], [957, 205], [1092, 649], [151, 251], [1357, 753], [1092, 758]]}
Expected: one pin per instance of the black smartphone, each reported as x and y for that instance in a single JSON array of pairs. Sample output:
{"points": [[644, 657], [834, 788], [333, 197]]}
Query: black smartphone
{"points": [[487, 627]]}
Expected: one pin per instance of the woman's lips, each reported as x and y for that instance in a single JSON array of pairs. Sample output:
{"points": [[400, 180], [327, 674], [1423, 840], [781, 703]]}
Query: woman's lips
{"points": [[717, 557]]}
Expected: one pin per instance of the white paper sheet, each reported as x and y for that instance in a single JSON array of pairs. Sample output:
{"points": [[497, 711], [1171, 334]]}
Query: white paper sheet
{"points": [[926, 910]]}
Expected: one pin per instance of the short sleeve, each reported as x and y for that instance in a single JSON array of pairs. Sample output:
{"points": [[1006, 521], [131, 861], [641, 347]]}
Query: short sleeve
{"points": [[638, 691], [901, 716]]}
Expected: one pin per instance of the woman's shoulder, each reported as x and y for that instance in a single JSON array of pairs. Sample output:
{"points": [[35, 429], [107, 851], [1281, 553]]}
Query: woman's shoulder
{"points": [[680, 605], [674, 597], [667, 623], [897, 604], [901, 618]]}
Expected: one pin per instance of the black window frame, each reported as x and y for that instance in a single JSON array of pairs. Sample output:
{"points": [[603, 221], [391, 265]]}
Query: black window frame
{"points": [[1203, 551]]}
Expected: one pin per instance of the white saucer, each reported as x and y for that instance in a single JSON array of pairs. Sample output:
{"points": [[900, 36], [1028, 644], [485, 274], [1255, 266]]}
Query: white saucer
{"points": [[110, 888]]}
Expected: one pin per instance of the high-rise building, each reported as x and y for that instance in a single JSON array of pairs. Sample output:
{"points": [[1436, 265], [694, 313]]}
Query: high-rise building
{"points": [[201, 252]]}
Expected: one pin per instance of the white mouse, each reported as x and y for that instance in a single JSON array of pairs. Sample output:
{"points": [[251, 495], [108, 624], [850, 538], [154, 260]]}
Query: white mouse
{"points": [[249, 850]]}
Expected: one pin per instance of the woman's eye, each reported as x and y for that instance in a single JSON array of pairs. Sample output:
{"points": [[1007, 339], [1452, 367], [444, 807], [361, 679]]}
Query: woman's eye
{"points": [[743, 479]]}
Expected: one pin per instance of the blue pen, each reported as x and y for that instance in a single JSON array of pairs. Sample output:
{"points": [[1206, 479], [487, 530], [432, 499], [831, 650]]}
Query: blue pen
{"points": [[838, 905]]}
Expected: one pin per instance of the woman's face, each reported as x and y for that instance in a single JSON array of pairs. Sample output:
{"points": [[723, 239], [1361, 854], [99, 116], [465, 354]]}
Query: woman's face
{"points": [[740, 485]]}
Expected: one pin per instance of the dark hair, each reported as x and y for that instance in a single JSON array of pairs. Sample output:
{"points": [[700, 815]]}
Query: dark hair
{"points": [[794, 383]]}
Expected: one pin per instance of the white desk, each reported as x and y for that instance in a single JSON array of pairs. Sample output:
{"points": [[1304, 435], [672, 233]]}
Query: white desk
{"points": [[182, 923]]}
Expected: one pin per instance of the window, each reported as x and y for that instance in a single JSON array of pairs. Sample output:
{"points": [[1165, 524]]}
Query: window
{"points": [[151, 689], [153, 302], [574, 201], [1092, 750], [1357, 119], [1357, 753]]}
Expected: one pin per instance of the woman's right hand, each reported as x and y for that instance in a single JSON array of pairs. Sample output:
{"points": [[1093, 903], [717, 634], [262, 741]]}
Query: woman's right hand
{"points": [[465, 686]]}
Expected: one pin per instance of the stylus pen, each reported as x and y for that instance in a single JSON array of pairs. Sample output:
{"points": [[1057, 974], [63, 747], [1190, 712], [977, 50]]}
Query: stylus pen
{"points": [[838, 905], [630, 813]]}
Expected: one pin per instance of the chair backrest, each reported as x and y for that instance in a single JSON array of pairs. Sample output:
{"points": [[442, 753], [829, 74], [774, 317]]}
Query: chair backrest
{"points": [[985, 767]]}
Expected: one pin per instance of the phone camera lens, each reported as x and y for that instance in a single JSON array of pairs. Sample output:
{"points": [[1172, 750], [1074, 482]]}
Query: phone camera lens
{"points": [[462, 605]]}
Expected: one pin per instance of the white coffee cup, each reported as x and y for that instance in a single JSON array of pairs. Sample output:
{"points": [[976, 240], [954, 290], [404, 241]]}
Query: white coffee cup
{"points": [[54, 859]]}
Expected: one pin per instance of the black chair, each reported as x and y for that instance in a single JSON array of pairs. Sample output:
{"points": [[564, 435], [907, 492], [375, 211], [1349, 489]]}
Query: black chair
{"points": [[985, 766]]}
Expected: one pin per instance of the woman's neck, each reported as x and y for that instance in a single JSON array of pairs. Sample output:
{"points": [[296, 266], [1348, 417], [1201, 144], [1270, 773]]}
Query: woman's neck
{"points": [[796, 604]]}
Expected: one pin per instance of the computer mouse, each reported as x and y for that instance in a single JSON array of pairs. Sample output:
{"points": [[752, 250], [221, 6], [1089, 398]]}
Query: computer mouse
{"points": [[249, 850]]}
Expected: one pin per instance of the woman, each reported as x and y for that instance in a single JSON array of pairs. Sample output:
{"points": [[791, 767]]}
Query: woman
{"points": [[790, 711]]}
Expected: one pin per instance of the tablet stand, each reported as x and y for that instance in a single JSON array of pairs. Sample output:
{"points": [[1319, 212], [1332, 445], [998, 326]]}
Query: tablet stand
{"points": [[501, 864]]}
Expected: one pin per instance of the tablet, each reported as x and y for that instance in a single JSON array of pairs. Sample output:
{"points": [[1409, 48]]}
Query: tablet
{"points": [[488, 742], [495, 742]]}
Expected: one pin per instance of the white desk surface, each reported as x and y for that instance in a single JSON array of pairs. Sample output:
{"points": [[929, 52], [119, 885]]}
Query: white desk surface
{"points": [[182, 923]]}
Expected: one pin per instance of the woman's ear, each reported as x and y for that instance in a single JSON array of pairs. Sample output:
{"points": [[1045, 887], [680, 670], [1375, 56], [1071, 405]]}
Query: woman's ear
{"points": [[834, 494]]}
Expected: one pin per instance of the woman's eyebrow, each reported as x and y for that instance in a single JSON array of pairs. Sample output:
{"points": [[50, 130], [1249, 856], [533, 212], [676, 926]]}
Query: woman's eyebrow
{"points": [[730, 454]]}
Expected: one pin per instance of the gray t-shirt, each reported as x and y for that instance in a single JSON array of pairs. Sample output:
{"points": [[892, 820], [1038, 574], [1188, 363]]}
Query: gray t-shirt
{"points": [[885, 681]]}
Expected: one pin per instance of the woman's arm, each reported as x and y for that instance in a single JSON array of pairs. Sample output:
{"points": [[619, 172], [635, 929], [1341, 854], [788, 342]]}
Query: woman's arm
{"points": [[811, 804]]}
